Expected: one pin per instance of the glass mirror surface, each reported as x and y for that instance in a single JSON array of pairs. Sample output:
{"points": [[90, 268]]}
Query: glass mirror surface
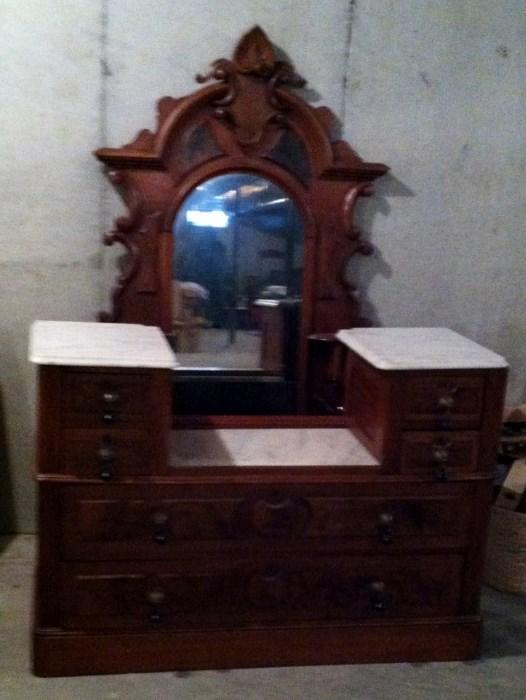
{"points": [[237, 275]]}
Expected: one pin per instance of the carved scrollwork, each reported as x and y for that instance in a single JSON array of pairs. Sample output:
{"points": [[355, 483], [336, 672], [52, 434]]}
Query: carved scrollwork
{"points": [[254, 59], [123, 234], [246, 118]]}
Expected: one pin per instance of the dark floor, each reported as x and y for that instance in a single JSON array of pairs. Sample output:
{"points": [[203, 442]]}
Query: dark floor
{"points": [[500, 674]]}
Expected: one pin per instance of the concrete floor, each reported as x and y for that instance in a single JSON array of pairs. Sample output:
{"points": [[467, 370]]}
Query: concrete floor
{"points": [[500, 674]]}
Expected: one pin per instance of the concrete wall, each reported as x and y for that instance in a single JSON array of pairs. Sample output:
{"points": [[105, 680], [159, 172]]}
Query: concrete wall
{"points": [[435, 90]]}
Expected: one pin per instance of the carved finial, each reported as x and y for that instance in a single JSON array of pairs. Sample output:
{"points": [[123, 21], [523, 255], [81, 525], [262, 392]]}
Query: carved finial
{"points": [[254, 54]]}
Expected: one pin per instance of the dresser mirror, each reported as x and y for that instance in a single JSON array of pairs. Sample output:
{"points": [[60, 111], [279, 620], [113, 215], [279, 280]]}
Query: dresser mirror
{"points": [[237, 236], [239, 250]]}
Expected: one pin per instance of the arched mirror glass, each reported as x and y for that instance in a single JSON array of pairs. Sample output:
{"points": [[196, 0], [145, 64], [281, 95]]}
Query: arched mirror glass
{"points": [[237, 276]]}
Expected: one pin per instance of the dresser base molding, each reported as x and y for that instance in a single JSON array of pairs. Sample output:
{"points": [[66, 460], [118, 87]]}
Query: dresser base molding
{"points": [[76, 654]]}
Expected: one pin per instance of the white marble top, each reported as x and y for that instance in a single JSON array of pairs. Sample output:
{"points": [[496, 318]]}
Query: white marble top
{"points": [[418, 348], [279, 447], [99, 345]]}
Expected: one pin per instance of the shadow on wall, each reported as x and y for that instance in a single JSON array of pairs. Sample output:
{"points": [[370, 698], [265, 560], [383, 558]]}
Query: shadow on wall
{"points": [[362, 271], [7, 508]]}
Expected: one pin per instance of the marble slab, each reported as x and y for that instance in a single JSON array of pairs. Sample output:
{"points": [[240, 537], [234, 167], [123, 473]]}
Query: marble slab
{"points": [[419, 348], [76, 343], [279, 447]]}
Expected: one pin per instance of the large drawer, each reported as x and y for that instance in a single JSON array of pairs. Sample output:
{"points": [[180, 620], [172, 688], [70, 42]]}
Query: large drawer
{"points": [[259, 590], [123, 521], [443, 401]]}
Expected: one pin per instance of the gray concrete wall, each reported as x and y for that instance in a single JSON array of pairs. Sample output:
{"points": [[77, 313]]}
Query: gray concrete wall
{"points": [[435, 90]]}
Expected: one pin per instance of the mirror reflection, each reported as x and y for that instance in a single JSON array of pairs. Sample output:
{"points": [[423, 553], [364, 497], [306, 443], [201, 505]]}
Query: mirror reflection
{"points": [[237, 275]]}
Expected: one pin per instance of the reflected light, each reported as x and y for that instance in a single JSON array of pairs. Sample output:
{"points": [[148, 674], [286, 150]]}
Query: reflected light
{"points": [[214, 219]]}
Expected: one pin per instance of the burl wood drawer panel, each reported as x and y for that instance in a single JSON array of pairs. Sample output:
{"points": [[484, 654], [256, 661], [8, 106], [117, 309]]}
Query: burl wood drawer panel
{"points": [[96, 399], [260, 590], [439, 455], [450, 401], [107, 455], [120, 522]]}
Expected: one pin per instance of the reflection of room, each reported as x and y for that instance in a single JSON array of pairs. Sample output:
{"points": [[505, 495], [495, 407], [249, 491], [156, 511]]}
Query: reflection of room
{"points": [[238, 241]]}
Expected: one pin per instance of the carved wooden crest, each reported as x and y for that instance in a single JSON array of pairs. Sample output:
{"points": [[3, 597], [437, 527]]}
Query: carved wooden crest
{"points": [[246, 117]]}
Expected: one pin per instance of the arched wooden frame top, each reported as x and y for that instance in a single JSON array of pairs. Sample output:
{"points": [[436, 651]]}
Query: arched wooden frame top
{"points": [[248, 120]]}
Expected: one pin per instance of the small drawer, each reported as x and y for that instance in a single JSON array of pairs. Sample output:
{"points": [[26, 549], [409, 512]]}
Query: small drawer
{"points": [[95, 399], [261, 590], [445, 401], [119, 522], [105, 455], [439, 454]]}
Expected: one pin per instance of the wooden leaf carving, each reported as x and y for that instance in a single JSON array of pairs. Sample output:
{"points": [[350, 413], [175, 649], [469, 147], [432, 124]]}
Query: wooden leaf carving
{"points": [[254, 54]]}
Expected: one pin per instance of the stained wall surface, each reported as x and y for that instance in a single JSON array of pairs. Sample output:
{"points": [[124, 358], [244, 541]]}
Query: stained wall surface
{"points": [[435, 90]]}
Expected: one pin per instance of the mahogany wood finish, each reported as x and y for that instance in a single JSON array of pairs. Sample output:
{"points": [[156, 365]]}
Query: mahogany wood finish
{"points": [[248, 120], [144, 566]]}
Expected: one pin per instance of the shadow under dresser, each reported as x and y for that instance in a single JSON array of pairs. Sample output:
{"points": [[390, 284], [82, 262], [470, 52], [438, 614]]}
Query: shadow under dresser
{"points": [[167, 549]]}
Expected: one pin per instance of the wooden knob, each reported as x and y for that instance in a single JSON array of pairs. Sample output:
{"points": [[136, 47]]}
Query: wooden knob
{"points": [[385, 527], [378, 596], [156, 596], [161, 523], [109, 418], [110, 398], [106, 473], [440, 452], [106, 452]]}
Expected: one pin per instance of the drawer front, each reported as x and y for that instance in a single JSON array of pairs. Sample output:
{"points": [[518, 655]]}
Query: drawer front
{"points": [[446, 401], [105, 455], [119, 522], [96, 399], [214, 592], [439, 455]]}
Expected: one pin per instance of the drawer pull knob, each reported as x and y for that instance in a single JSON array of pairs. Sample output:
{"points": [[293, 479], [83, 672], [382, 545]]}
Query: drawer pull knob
{"points": [[106, 453], [440, 452], [441, 473], [377, 596], [106, 457], [155, 599], [106, 473], [446, 402], [109, 418], [161, 523], [385, 528], [110, 397]]}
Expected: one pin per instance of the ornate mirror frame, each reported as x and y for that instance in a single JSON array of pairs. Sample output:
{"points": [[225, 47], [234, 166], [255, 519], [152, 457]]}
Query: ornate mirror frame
{"points": [[247, 119]]}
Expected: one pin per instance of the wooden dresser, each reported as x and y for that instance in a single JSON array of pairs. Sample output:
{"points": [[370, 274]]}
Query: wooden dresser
{"points": [[163, 550]]}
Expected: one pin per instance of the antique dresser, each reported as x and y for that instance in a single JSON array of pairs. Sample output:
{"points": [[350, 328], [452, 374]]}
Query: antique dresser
{"points": [[203, 507]]}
